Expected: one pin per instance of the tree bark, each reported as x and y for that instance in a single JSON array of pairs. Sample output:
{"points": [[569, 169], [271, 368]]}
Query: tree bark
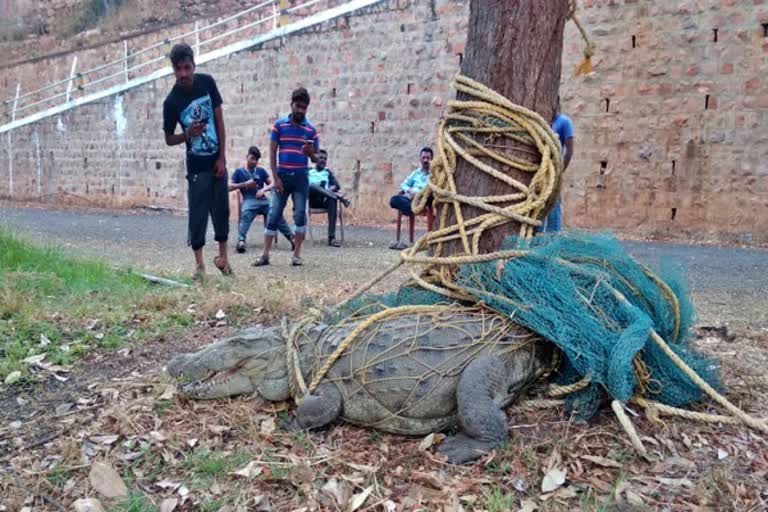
{"points": [[514, 47]]}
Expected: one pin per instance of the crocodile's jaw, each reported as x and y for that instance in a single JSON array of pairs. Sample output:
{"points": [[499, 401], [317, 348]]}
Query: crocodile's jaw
{"points": [[232, 366], [218, 387]]}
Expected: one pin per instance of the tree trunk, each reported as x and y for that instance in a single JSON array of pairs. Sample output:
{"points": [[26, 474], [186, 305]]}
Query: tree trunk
{"points": [[514, 47]]}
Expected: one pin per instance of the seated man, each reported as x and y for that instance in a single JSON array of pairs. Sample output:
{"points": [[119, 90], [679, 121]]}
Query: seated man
{"points": [[325, 192], [413, 184], [254, 182]]}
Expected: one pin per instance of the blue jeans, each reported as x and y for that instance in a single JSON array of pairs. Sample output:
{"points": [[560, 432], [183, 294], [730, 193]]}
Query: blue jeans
{"points": [[251, 210], [295, 185], [554, 220], [401, 202]]}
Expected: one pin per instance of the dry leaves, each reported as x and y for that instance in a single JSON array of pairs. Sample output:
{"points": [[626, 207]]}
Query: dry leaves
{"points": [[88, 505], [137, 426], [251, 470], [106, 481], [359, 499], [602, 461], [554, 478], [169, 505]]}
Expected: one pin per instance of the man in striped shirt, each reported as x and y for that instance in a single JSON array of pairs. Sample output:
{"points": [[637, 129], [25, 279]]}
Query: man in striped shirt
{"points": [[294, 142]]}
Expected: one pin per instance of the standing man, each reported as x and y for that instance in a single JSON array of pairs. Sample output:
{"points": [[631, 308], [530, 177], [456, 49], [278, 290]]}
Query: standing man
{"points": [[563, 127], [254, 182], [412, 185], [294, 142], [325, 192], [195, 104]]}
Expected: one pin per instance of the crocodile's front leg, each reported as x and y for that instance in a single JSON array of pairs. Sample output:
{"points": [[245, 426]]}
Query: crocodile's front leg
{"points": [[318, 409], [481, 391]]}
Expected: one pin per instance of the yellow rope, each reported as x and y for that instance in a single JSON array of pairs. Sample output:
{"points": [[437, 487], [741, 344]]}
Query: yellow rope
{"points": [[371, 320], [296, 384], [489, 116], [745, 418], [670, 296], [540, 404], [655, 409], [626, 423], [367, 286], [585, 66], [555, 391]]}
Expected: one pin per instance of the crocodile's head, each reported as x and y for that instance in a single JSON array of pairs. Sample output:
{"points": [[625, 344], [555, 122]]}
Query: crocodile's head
{"points": [[233, 366]]}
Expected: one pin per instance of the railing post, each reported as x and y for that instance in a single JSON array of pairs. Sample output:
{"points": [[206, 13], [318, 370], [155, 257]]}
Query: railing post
{"points": [[197, 38], [71, 78], [10, 142], [125, 59], [283, 13], [15, 102], [275, 19]]}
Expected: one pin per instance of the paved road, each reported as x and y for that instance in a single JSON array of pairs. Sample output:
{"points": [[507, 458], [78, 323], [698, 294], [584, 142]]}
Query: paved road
{"points": [[728, 284]]}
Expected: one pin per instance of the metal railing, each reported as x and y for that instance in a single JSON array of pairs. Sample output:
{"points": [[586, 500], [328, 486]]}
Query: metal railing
{"points": [[269, 19]]}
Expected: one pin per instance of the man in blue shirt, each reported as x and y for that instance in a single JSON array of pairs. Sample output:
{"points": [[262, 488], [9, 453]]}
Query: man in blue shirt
{"points": [[412, 185], [294, 142], [563, 127], [254, 182], [325, 192]]}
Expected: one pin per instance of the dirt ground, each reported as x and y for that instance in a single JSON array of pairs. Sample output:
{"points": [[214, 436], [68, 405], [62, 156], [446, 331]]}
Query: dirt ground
{"points": [[727, 283], [116, 408]]}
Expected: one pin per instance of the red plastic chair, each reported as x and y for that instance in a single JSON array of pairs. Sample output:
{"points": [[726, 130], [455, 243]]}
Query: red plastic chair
{"points": [[429, 212]]}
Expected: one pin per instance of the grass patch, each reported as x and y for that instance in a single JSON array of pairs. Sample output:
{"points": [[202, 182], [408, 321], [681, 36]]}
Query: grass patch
{"points": [[136, 503], [499, 501], [93, 12], [58, 477], [213, 505], [205, 467], [65, 306]]}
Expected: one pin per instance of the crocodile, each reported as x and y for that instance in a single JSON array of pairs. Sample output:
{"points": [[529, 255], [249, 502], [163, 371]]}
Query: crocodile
{"points": [[408, 374]]}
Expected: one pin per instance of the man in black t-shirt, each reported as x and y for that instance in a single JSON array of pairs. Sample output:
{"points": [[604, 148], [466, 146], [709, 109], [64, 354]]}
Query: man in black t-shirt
{"points": [[195, 104]]}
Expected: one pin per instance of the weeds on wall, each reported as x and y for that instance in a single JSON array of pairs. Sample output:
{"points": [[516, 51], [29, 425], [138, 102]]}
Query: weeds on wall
{"points": [[93, 12]]}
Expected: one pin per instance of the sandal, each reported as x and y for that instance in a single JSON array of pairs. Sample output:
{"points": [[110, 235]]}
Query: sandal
{"points": [[224, 269], [261, 261], [296, 261], [199, 275]]}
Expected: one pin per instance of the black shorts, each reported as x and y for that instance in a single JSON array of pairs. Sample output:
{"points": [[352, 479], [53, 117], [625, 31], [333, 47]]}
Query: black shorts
{"points": [[207, 195]]}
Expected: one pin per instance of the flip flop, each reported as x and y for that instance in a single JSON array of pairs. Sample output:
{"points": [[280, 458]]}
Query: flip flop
{"points": [[226, 269], [199, 275], [296, 261], [261, 261]]}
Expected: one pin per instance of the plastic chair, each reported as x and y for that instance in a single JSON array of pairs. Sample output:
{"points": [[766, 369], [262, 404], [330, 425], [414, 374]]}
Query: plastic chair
{"points": [[240, 213], [429, 212], [317, 211]]}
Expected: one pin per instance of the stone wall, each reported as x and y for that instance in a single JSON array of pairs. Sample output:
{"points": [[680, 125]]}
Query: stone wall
{"points": [[378, 81], [668, 128]]}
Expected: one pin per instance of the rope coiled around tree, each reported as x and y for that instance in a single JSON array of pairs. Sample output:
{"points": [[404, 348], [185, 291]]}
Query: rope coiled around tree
{"points": [[470, 131]]}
